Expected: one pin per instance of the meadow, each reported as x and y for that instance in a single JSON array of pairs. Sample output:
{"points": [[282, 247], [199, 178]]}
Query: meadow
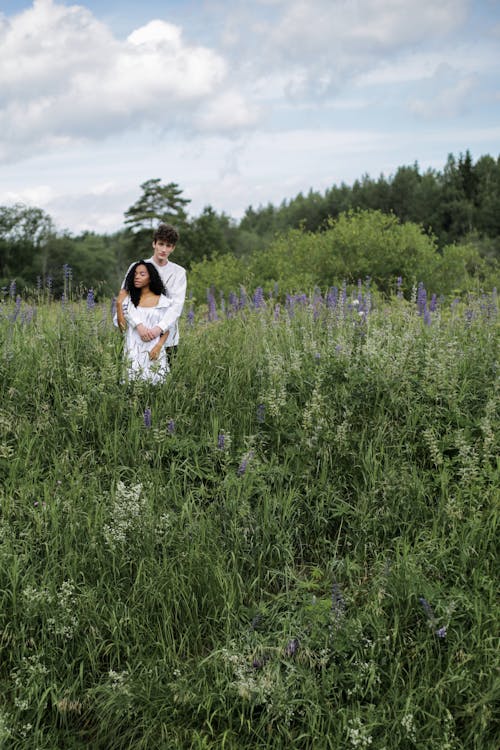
{"points": [[291, 543]]}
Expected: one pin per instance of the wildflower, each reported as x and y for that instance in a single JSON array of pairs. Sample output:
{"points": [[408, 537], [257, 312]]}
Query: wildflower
{"points": [[277, 309], [49, 283], [421, 298], [261, 413], [427, 608], [190, 316], [221, 441], [212, 305], [427, 317], [171, 426], [292, 647], [147, 418], [441, 632], [12, 289], [67, 272], [258, 298], [433, 303], [16, 309], [244, 463], [90, 299], [332, 297]]}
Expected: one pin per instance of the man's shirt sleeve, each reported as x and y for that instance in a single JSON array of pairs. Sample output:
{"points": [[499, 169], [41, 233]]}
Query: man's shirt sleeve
{"points": [[176, 289]]}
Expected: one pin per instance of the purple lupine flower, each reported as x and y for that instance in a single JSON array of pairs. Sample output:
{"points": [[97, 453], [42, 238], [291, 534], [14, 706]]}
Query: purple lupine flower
{"points": [[433, 303], [171, 427], [38, 283], [147, 418], [212, 305], [261, 413], [244, 463], [48, 283], [421, 298], [221, 441], [292, 647], [317, 303], [17, 309], [332, 297], [190, 316], [427, 317], [441, 632], [12, 289], [28, 315], [90, 299], [258, 298], [343, 296], [427, 608], [290, 305], [277, 310], [67, 272]]}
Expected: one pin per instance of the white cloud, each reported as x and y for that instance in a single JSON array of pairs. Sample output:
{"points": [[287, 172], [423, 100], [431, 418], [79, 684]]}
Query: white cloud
{"points": [[446, 95], [64, 78]]}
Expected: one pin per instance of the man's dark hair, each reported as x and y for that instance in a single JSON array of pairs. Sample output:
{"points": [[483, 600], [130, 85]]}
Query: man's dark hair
{"points": [[155, 282], [167, 233]]}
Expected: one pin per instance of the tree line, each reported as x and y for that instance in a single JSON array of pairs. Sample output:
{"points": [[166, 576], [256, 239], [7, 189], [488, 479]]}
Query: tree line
{"points": [[458, 206]]}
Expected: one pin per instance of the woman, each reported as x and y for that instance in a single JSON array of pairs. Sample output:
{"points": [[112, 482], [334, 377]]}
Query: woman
{"points": [[143, 309]]}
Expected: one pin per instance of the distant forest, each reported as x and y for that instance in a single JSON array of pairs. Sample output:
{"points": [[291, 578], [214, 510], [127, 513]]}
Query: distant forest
{"points": [[459, 205]]}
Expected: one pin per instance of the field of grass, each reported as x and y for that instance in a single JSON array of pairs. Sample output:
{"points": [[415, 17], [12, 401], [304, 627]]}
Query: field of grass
{"points": [[290, 544]]}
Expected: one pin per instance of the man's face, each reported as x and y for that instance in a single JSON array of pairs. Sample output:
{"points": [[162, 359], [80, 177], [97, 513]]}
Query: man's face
{"points": [[161, 251]]}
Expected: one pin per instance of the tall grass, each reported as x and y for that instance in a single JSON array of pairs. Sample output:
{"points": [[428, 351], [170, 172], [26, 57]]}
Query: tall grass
{"points": [[291, 543]]}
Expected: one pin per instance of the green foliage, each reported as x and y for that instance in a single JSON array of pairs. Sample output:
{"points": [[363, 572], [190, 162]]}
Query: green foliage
{"points": [[358, 244], [299, 552], [223, 273], [459, 206]]}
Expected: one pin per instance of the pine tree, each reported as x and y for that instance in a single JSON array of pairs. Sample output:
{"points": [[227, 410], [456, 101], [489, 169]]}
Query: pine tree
{"points": [[157, 204]]}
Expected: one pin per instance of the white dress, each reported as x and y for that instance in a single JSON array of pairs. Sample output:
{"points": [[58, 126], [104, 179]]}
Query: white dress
{"points": [[173, 277], [136, 351]]}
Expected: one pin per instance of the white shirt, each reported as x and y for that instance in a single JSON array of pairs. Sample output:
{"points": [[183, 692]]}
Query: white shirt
{"points": [[174, 280]]}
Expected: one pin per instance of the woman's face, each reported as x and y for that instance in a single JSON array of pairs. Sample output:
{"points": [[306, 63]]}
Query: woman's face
{"points": [[141, 277]]}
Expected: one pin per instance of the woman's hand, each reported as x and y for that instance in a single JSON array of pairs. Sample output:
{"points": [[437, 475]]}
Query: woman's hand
{"points": [[122, 323], [154, 353]]}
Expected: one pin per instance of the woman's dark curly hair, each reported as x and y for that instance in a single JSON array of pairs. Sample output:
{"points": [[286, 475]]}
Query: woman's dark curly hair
{"points": [[155, 282]]}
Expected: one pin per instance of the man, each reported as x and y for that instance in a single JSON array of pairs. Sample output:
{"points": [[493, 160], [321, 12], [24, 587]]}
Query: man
{"points": [[173, 277]]}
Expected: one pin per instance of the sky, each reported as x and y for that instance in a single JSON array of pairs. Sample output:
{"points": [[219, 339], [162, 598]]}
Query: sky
{"points": [[240, 102]]}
